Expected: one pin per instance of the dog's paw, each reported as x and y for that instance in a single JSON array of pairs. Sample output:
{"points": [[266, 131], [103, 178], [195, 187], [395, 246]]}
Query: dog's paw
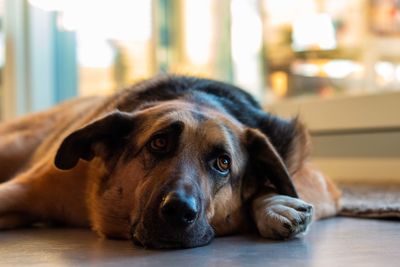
{"points": [[282, 217]]}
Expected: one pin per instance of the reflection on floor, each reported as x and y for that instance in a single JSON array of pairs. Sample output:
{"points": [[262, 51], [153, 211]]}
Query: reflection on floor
{"points": [[332, 242]]}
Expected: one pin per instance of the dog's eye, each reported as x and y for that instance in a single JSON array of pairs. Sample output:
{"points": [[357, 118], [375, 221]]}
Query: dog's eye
{"points": [[159, 143], [223, 164]]}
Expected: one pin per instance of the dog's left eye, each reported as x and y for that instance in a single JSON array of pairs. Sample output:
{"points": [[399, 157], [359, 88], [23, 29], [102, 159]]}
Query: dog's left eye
{"points": [[223, 163], [159, 143]]}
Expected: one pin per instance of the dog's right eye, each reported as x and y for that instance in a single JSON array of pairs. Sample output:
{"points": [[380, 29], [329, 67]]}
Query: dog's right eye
{"points": [[159, 144], [223, 164]]}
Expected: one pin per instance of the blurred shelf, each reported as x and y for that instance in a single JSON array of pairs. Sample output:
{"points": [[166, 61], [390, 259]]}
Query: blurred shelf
{"points": [[374, 111]]}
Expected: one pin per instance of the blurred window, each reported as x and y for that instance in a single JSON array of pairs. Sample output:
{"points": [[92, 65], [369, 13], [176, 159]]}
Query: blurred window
{"points": [[331, 47], [2, 55], [113, 41], [275, 49]]}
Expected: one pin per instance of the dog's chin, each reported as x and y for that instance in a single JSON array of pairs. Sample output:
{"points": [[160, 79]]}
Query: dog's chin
{"points": [[153, 240]]}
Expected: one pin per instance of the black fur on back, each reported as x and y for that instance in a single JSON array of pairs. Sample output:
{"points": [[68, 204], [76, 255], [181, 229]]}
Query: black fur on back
{"points": [[220, 95]]}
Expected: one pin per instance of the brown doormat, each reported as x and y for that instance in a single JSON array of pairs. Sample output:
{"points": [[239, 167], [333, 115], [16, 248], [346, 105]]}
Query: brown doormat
{"points": [[371, 201]]}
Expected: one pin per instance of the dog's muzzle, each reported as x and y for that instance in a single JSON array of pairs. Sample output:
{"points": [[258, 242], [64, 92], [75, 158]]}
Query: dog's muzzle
{"points": [[177, 221], [179, 210]]}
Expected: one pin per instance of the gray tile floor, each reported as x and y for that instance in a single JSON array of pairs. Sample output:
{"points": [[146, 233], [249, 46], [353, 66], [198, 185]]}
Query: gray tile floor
{"points": [[332, 242]]}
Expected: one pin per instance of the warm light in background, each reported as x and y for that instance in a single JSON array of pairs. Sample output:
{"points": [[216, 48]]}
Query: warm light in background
{"points": [[279, 83], [49, 5], [97, 22], [340, 69], [386, 72], [314, 31], [198, 30], [286, 11], [319, 44], [128, 21], [112, 40], [117, 19], [246, 31], [337, 69]]}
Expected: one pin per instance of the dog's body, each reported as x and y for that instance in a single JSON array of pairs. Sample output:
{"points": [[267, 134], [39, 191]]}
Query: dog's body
{"points": [[169, 163]]}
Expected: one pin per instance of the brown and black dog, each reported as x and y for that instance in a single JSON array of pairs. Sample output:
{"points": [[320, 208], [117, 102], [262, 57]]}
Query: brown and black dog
{"points": [[170, 162]]}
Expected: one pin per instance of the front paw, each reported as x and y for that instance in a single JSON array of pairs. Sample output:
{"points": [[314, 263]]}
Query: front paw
{"points": [[282, 217]]}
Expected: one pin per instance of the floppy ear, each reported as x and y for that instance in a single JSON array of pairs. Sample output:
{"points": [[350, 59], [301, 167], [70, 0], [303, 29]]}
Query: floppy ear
{"points": [[84, 143], [265, 164]]}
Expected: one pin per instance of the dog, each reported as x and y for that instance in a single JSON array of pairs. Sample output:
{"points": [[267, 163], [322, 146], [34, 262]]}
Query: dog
{"points": [[170, 162]]}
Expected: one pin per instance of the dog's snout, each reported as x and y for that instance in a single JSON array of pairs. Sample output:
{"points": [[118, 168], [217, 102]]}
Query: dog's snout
{"points": [[179, 209]]}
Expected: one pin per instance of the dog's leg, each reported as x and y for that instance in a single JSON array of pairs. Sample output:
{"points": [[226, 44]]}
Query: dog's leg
{"points": [[317, 189], [281, 217], [12, 194], [44, 194], [15, 150], [12, 197], [19, 139]]}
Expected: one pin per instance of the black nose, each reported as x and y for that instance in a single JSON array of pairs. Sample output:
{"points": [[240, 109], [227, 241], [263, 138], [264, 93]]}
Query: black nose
{"points": [[179, 209]]}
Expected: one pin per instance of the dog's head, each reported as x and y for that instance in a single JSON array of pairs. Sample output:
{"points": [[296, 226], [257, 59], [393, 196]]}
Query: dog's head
{"points": [[172, 174]]}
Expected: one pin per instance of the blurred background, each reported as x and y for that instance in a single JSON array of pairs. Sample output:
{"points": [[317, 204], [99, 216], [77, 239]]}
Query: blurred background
{"points": [[336, 63]]}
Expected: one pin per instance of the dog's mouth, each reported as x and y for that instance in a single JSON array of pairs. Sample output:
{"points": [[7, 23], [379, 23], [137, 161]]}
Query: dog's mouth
{"points": [[175, 239], [172, 220]]}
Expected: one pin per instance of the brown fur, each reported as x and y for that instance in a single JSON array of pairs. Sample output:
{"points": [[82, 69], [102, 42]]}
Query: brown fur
{"points": [[110, 194], [312, 185]]}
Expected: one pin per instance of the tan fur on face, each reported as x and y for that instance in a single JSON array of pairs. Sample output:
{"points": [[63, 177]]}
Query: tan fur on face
{"points": [[109, 208], [159, 116], [113, 211], [228, 212]]}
